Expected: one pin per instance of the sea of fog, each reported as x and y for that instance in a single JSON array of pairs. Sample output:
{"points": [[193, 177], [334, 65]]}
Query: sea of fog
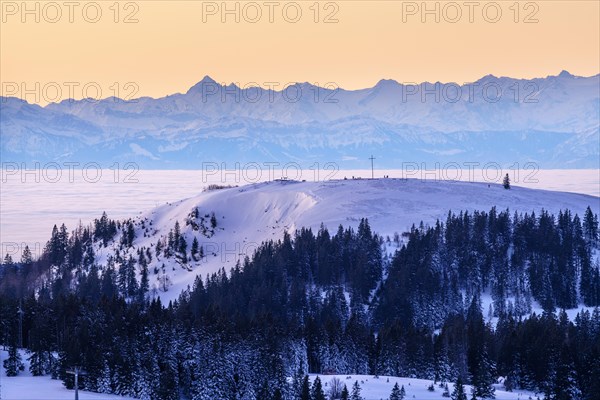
{"points": [[33, 201]]}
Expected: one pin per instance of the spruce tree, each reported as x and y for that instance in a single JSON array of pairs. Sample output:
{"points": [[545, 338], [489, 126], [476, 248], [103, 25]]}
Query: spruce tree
{"points": [[40, 340], [565, 385], [38, 363], [298, 376], [195, 249], [459, 391], [506, 182], [26, 257], [53, 247], [130, 234], [104, 381], [182, 249], [481, 368], [108, 284], [395, 395], [144, 283], [158, 248], [13, 364], [305, 394], [446, 392], [132, 284], [8, 261], [176, 234], [317, 390], [355, 395], [345, 394], [122, 279], [590, 226]]}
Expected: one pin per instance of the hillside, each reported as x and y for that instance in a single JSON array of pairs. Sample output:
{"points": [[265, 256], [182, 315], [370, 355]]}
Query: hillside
{"points": [[249, 215], [464, 298], [28, 387], [380, 387]]}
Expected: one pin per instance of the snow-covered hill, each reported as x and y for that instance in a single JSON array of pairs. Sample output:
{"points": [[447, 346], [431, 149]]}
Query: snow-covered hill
{"points": [[28, 387], [551, 120], [380, 387], [249, 215]]}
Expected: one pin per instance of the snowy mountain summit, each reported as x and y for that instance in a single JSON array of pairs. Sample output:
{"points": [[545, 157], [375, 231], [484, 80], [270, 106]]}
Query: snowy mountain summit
{"points": [[219, 228]]}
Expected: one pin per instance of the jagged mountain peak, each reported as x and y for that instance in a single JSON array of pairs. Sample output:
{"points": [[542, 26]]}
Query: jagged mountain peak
{"points": [[198, 87], [544, 115]]}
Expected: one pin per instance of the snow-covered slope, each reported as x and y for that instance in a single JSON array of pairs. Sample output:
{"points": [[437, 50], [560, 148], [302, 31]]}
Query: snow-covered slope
{"points": [[380, 387], [28, 387], [248, 215]]}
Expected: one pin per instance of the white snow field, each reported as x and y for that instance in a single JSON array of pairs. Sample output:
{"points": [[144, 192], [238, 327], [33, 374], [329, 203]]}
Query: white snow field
{"points": [[249, 215], [376, 388], [28, 387]]}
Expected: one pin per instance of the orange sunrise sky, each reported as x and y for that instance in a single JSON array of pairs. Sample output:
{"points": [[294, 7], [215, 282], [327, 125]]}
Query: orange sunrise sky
{"points": [[165, 47]]}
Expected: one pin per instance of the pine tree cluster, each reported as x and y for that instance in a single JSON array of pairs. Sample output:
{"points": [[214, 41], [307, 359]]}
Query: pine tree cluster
{"points": [[321, 303]]}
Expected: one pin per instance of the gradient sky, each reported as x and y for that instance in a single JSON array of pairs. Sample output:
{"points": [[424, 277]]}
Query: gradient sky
{"points": [[174, 44]]}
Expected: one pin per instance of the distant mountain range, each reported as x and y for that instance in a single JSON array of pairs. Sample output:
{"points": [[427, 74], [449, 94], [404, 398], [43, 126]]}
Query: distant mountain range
{"points": [[553, 121]]}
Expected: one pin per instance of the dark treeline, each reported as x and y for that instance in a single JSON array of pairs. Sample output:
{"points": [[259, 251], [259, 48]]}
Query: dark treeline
{"points": [[321, 303]]}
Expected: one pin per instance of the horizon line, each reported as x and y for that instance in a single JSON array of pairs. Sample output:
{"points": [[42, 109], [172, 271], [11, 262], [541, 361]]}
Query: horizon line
{"points": [[207, 78]]}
